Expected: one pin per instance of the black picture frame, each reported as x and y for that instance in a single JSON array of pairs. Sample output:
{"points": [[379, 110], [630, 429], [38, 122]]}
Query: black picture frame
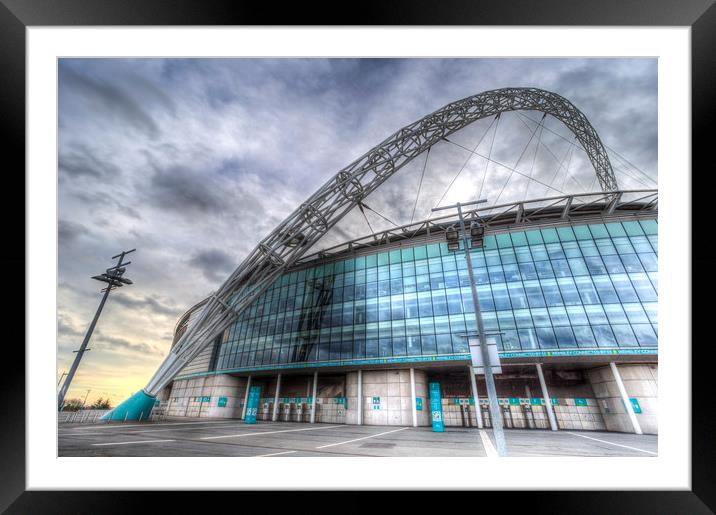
{"points": [[17, 15]]}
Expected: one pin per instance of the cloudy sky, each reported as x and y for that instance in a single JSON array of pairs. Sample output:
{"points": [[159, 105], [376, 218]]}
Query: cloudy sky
{"points": [[193, 161]]}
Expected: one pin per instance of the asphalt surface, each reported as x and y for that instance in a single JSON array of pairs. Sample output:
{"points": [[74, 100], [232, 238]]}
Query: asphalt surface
{"points": [[287, 439]]}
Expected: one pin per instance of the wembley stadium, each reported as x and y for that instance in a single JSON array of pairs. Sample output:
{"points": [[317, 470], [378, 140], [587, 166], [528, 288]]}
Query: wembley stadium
{"points": [[357, 332]]}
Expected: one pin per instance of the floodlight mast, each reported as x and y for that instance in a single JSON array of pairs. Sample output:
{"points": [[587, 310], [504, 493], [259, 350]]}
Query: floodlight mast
{"points": [[113, 278], [497, 429]]}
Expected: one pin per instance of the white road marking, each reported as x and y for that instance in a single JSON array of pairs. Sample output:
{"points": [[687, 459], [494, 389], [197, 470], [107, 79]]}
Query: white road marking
{"points": [[268, 432], [273, 454], [129, 443], [612, 443], [364, 438], [149, 430], [120, 425], [487, 444]]}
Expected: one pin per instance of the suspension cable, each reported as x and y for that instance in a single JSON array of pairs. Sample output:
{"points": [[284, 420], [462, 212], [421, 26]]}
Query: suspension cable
{"points": [[377, 213], [489, 155], [464, 164], [534, 158], [505, 166], [504, 185], [647, 176], [569, 151], [360, 206], [420, 184], [568, 175], [620, 162]]}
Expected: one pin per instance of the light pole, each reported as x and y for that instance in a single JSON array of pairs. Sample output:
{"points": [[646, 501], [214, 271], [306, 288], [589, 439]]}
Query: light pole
{"points": [[113, 278], [85, 399], [487, 366], [61, 377]]}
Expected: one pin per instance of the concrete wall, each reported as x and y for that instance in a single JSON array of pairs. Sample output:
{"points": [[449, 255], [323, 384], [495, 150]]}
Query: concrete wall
{"points": [[186, 394], [392, 387], [603, 410], [641, 382]]}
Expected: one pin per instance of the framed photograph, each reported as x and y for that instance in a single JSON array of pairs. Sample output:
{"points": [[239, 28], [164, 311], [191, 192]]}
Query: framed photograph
{"points": [[258, 252]]}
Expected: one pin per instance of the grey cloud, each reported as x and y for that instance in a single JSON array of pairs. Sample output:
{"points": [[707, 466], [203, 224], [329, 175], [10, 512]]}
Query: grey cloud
{"points": [[180, 189], [69, 232], [65, 327], [149, 303], [110, 98], [81, 161], [213, 263], [122, 344], [96, 199]]}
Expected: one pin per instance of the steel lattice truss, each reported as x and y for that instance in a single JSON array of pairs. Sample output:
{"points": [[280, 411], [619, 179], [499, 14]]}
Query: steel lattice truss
{"points": [[315, 217]]}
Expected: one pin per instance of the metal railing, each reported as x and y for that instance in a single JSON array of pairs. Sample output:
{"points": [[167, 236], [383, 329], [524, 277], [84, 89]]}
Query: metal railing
{"points": [[81, 416]]}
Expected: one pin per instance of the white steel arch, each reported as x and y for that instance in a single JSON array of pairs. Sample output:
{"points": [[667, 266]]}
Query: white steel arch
{"points": [[344, 191]]}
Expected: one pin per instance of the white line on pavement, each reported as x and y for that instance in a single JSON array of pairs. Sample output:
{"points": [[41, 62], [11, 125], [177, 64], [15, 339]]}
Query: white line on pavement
{"points": [[612, 443], [110, 426], [487, 444], [128, 443], [268, 432], [364, 438], [273, 454], [134, 432]]}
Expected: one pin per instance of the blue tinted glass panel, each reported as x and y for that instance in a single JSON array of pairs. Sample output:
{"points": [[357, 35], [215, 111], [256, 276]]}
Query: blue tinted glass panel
{"points": [[567, 287]]}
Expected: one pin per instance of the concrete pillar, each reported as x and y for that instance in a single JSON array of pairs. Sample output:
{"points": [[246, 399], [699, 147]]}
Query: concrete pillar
{"points": [[473, 384], [274, 415], [308, 388], [313, 399], [359, 398], [547, 399], [625, 398], [413, 402], [246, 398]]}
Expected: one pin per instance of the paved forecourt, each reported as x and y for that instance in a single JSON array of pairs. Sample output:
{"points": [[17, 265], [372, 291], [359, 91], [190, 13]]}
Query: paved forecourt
{"points": [[286, 439]]}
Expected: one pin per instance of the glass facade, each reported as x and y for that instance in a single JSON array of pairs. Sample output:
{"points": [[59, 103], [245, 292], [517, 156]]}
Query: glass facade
{"points": [[576, 287]]}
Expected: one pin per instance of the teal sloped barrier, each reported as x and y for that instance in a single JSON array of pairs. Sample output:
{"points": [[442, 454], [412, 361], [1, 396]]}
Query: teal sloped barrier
{"points": [[137, 407]]}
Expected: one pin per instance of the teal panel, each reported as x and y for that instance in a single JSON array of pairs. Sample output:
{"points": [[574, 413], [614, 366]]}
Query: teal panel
{"points": [[550, 235], [436, 408], [599, 230], [137, 407], [503, 240], [615, 229], [490, 242], [534, 237], [633, 228], [565, 234], [519, 239], [582, 232], [650, 226], [434, 250], [421, 252], [252, 406]]}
